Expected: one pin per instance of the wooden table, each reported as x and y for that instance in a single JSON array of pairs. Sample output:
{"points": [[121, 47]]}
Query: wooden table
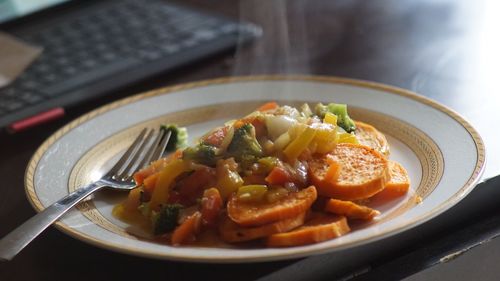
{"points": [[446, 50]]}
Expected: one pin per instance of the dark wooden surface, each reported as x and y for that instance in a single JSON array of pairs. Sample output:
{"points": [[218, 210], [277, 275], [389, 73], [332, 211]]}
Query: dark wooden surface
{"points": [[446, 50]]}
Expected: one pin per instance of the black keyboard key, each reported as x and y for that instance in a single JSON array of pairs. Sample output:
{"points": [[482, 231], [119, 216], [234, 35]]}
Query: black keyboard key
{"points": [[9, 93], [170, 48], [85, 78], [150, 55], [11, 105], [30, 97], [204, 34], [89, 63], [31, 84], [70, 70], [49, 78], [108, 56]]}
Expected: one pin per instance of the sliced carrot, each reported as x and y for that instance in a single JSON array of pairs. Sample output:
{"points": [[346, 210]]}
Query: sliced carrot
{"points": [[363, 172], [186, 232], [268, 106], [260, 213], [350, 209], [320, 228], [238, 124], [211, 205], [232, 232], [279, 176]]}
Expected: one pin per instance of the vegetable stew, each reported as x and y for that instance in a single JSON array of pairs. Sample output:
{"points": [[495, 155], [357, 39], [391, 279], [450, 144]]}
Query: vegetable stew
{"points": [[281, 176]]}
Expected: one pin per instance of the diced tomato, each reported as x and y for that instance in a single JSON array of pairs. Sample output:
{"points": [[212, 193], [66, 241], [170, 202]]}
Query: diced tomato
{"points": [[268, 106], [175, 197], [211, 204], [279, 176], [216, 137], [193, 185]]}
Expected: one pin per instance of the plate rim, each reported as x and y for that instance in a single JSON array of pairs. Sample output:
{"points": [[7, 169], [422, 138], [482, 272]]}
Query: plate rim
{"points": [[445, 205]]}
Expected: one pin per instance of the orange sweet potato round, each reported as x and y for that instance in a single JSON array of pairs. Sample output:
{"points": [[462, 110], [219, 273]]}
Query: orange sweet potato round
{"points": [[260, 213]]}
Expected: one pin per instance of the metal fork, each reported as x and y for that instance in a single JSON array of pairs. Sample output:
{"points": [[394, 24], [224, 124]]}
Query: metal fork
{"points": [[148, 146]]}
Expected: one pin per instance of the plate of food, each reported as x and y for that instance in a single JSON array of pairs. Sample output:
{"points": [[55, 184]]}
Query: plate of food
{"points": [[261, 168]]}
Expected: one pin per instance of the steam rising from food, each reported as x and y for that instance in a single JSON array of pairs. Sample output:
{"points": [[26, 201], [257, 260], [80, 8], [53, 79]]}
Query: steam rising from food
{"points": [[282, 47]]}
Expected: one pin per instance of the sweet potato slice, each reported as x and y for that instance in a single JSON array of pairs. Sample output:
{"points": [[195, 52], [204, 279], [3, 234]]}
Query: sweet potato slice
{"points": [[231, 232], [320, 228], [187, 231], [371, 137], [363, 172], [398, 185], [400, 181], [350, 209], [261, 213]]}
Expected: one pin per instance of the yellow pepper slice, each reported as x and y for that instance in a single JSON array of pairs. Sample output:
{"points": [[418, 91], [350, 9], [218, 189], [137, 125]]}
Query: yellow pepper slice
{"points": [[325, 139], [253, 193], [299, 144], [347, 138], [330, 118], [228, 183], [161, 192]]}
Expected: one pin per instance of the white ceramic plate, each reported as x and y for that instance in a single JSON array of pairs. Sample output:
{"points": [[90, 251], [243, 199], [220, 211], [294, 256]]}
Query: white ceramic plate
{"points": [[443, 154]]}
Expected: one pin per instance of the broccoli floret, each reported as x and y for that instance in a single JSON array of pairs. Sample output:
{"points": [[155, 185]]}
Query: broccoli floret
{"points": [[244, 147], [201, 153], [166, 219], [178, 137], [343, 119]]}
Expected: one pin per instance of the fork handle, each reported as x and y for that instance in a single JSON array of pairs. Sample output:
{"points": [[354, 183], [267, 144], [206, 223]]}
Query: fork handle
{"points": [[15, 241]]}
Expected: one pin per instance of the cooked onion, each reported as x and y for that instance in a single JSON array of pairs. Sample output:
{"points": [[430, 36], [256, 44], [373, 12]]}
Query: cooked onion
{"points": [[282, 141], [277, 125]]}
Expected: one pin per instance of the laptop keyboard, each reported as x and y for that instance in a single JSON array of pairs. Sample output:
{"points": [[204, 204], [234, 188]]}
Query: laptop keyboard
{"points": [[122, 36]]}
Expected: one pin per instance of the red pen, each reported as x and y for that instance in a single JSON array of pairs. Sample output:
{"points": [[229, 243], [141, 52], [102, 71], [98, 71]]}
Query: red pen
{"points": [[35, 120]]}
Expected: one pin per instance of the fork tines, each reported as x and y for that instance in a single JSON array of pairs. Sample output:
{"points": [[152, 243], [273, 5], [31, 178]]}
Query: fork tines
{"points": [[148, 146]]}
